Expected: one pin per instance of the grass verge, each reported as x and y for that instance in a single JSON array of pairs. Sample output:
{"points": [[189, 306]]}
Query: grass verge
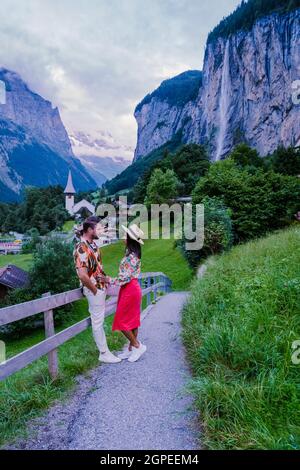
{"points": [[238, 327]]}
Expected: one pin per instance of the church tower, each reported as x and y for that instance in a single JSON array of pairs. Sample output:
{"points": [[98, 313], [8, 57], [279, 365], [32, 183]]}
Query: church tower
{"points": [[69, 192]]}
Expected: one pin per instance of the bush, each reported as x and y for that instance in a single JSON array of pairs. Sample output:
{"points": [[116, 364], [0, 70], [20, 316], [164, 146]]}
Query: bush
{"points": [[259, 202], [217, 231]]}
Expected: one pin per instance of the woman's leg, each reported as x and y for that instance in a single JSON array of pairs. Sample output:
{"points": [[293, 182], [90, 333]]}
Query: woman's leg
{"points": [[133, 341], [135, 332]]}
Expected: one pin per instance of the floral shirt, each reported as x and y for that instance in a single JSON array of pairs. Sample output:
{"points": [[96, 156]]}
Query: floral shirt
{"points": [[130, 268], [87, 255]]}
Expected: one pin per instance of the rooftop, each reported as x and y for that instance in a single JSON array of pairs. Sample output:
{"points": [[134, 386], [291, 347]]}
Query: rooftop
{"points": [[13, 277]]}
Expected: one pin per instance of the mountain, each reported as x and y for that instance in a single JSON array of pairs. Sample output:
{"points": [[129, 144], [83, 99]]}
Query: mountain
{"points": [[100, 154], [165, 111], [35, 149], [244, 93]]}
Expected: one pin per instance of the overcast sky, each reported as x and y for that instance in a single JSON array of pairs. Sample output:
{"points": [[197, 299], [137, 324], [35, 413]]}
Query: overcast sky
{"points": [[96, 59]]}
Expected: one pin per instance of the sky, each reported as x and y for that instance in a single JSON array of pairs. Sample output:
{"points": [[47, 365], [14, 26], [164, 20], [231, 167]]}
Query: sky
{"points": [[96, 59]]}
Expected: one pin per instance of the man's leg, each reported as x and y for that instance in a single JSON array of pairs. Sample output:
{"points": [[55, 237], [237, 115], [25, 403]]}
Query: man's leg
{"points": [[97, 312]]}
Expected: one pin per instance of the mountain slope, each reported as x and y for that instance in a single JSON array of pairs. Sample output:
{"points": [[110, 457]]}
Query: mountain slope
{"points": [[129, 177], [245, 92], [34, 146], [165, 111]]}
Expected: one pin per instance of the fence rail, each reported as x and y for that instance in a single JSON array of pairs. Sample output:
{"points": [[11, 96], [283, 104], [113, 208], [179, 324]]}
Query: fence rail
{"points": [[151, 283]]}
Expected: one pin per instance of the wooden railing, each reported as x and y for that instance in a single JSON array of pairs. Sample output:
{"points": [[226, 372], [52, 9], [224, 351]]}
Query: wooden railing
{"points": [[151, 284]]}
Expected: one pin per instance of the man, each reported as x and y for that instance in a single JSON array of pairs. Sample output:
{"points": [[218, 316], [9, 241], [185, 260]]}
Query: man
{"points": [[89, 269]]}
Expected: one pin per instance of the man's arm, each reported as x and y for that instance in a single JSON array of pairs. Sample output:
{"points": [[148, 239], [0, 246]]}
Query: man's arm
{"points": [[86, 281]]}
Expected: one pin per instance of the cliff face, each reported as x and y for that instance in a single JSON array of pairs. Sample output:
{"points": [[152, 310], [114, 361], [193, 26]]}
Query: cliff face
{"points": [[165, 111], [246, 93], [34, 145]]}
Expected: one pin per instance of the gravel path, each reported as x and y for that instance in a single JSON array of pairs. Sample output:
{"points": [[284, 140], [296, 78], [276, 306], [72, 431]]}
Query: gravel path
{"points": [[140, 405]]}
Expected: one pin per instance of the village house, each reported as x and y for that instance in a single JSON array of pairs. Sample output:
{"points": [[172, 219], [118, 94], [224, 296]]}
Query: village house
{"points": [[12, 277]]}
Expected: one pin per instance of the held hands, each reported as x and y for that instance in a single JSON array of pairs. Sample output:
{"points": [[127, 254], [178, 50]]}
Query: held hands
{"points": [[104, 278]]}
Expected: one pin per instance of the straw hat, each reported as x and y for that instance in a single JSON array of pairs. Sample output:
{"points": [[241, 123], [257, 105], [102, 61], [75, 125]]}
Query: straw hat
{"points": [[135, 233]]}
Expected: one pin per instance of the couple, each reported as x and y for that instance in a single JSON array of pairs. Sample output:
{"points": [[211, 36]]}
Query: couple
{"points": [[96, 284]]}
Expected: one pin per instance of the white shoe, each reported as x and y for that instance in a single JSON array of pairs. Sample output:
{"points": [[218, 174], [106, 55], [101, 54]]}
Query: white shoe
{"points": [[108, 358], [137, 352], [124, 354]]}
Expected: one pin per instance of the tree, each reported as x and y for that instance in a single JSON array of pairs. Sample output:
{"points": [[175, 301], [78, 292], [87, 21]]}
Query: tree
{"points": [[42, 208], [286, 161], [162, 187], [53, 268], [259, 201], [245, 156], [190, 163]]}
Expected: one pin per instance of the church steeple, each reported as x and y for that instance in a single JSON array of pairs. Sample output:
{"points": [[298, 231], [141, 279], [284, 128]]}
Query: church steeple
{"points": [[69, 192], [69, 189]]}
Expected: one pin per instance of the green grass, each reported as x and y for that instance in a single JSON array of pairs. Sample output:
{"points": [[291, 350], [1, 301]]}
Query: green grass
{"points": [[68, 226], [238, 327], [22, 261], [30, 391]]}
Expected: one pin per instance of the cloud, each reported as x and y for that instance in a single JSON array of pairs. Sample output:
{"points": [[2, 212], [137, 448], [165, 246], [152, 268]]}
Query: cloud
{"points": [[96, 60]]}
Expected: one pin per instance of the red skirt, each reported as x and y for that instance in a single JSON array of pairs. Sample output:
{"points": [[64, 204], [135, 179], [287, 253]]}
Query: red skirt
{"points": [[128, 313]]}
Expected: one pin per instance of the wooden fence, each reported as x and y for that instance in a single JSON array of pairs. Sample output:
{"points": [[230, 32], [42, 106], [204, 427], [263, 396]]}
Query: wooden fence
{"points": [[151, 284]]}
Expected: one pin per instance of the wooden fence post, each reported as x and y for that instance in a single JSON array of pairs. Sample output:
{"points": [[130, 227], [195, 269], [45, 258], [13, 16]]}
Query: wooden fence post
{"points": [[149, 294], [162, 281], [154, 290], [50, 331]]}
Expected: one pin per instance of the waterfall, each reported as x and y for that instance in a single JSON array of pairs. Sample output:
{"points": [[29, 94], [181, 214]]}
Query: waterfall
{"points": [[224, 103]]}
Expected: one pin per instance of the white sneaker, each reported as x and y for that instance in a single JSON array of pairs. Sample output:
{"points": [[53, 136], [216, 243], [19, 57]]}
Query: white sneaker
{"points": [[124, 354], [137, 352], [108, 358]]}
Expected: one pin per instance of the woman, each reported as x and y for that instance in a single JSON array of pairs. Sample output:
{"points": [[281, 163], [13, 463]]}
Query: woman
{"points": [[128, 314]]}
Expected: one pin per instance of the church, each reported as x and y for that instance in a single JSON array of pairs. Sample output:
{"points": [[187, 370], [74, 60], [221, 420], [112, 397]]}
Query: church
{"points": [[81, 209]]}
